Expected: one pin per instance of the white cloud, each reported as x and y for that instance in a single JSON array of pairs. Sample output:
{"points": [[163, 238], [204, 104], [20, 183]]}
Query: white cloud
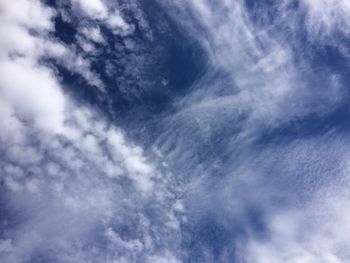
{"points": [[261, 75], [95, 9], [317, 232], [93, 33], [324, 17], [166, 257], [14, 130], [106, 14], [262, 79], [118, 24], [132, 245], [30, 14], [35, 93], [63, 162]]}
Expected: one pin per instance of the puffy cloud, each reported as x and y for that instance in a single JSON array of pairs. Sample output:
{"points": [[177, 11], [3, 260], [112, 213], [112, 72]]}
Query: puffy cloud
{"points": [[95, 9], [105, 13], [118, 24], [64, 164], [93, 33], [30, 14], [35, 93]]}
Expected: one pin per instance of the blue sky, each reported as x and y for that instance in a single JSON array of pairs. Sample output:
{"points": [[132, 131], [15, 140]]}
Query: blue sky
{"points": [[174, 131]]}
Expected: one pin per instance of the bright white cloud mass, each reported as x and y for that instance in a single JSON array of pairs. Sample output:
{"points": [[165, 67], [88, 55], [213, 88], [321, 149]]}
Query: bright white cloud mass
{"points": [[174, 131]]}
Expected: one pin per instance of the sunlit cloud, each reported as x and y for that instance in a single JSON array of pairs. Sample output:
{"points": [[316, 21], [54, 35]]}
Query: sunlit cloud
{"points": [[105, 157]]}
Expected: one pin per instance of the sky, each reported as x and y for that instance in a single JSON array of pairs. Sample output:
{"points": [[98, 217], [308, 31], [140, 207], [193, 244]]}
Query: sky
{"points": [[167, 131]]}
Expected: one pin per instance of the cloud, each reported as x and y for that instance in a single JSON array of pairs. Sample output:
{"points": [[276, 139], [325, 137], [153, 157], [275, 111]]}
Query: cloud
{"points": [[235, 137], [315, 233], [30, 14], [95, 9], [325, 17], [254, 82], [260, 73], [223, 177], [105, 13], [118, 24], [93, 33], [35, 93], [65, 166]]}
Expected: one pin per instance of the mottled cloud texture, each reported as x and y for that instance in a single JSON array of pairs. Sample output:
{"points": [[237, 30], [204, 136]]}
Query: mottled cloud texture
{"points": [[234, 166], [70, 179]]}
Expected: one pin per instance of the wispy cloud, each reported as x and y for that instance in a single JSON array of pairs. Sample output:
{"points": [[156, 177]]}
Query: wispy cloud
{"points": [[228, 173], [256, 84]]}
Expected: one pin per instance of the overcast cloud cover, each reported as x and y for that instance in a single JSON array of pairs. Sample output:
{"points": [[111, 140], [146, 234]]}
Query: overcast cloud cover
{"points": [[174, 131]]}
